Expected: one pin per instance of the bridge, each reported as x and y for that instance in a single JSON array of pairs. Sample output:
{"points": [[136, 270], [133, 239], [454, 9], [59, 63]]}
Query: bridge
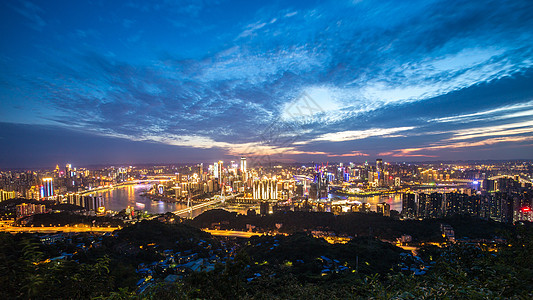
{"points": [[520, 179], [217, 199], [474, 181]]}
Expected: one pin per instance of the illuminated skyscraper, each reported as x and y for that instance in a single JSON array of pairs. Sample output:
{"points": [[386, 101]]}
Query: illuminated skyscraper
{"points": [[243, 165], [215, 170], [220, 169], [200, 170], [266, 189], [379, 170], [47, 188], [68, 168]]}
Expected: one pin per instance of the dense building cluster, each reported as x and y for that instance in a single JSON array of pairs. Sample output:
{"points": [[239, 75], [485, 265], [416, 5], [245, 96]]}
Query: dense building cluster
{"points": [[498, 191], [511, 202]]}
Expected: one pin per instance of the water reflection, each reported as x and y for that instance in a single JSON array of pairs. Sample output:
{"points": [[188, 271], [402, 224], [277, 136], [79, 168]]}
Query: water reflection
{"points": [[121, 197], [394, 200], [130, 195]]}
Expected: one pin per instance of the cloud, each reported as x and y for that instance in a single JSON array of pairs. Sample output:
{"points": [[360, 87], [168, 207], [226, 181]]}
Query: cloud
{"points": [[350, 154], [410, 152], [355, 135], [339, 72], [32, 12], [498, 130], [511, 111]]}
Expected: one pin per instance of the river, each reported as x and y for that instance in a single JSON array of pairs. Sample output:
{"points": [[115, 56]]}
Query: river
{"points": [[119, 198], [394, 200]]}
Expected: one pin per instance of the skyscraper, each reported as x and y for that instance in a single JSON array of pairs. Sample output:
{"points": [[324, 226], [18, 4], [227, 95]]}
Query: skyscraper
{"points": [[47, 188], [215, 170], [379, 170], [408, 205], [220, 170], [243, 165], [68, 168], [200, 171]]}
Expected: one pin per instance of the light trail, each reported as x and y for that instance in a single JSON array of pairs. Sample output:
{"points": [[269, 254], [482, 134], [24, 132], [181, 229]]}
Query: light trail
{"points": [[54, 229], [232, 233]]}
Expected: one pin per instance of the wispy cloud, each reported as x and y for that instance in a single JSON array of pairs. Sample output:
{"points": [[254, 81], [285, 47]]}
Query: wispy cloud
{"points": [[355, 135], [499, 130], [504, 112], [410, 152], [33, 13]]}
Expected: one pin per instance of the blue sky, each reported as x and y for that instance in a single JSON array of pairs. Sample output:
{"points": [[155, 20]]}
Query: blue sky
{"points": [[185, 81]]}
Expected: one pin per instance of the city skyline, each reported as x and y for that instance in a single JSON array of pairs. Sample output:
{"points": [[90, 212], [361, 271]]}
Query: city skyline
{"points": [[136, 82]]}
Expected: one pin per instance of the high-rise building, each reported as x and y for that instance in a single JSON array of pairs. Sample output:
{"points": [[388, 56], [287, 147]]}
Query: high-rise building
{"points": [[422, 205], [408, 205], [265, 189], [379, 171], [264, 208], [5, 195], [220, 171], [68, 168], [435, 206], [200, 171], [28, 209], [397, 181], [383, 209], [215, 170], [47, 188], [243, 165]]}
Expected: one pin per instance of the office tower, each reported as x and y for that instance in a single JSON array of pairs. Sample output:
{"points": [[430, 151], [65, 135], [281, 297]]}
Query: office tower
{"points": [[220, 170], [215, 170], [243, 165], [265, 189], [68, 168], [379, 170], [200, 171], [47, 188]]}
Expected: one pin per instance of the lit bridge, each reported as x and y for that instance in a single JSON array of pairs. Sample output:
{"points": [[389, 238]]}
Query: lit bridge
{"points": [[217, 199], [130, 182], [520, 179], [475, 181]]}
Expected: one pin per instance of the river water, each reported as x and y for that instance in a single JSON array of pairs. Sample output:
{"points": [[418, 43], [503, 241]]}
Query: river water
{"points": [[119, 198], [394, 200]]}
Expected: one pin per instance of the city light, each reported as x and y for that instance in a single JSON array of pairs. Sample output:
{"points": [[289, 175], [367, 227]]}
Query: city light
{"points": [[266, 149]]}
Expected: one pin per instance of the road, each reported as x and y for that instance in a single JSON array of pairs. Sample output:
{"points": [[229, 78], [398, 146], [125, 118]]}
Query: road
{"points": [[54, 229], [203, 204], [232, 233]]}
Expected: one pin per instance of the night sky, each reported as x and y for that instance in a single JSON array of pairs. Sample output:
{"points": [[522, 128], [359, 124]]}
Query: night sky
{"points": [[90, 82]]}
